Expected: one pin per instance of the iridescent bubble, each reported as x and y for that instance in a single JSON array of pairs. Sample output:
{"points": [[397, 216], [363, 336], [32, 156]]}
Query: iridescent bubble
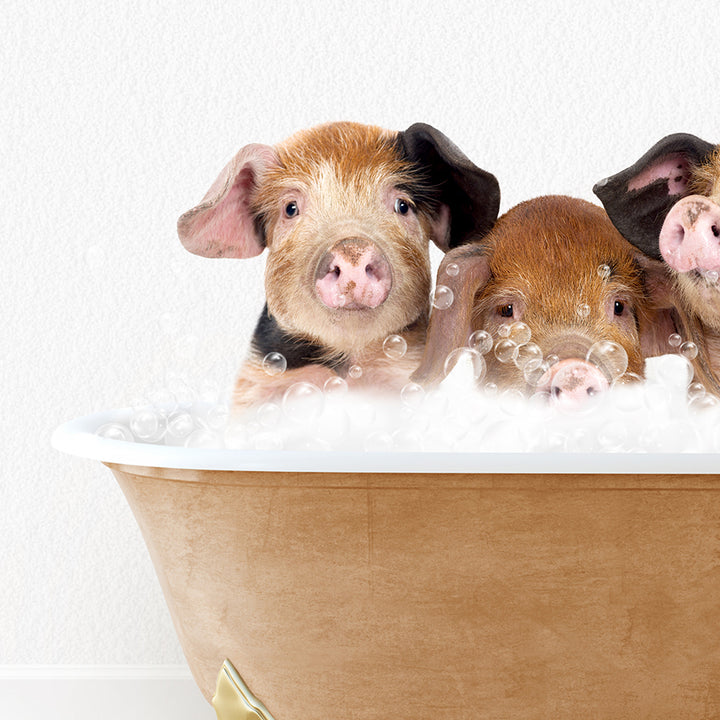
{"points": [[274, 363], [506, 350], [412, 395], [689, 350], [604, 271], [268, 415], [114, 431], [519, 333], [335, 386], [610, 357], [482, 341], [394, 347], [583, 310], [675, 340], [528, 353], [467, 358], [145, 423], [452, 269], [355, 372], [303, 402], [442, 298], [180, 425]]}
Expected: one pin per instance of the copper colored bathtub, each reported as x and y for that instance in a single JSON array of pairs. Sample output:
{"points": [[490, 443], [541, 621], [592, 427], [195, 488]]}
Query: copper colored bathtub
{"points": [[423, 586]]}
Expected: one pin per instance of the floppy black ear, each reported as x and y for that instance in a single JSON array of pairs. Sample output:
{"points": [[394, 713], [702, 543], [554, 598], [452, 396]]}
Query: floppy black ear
{"points": [[638, 198], [472, 195]]}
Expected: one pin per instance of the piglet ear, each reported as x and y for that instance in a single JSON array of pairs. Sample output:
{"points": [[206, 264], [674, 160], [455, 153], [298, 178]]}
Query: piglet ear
{"points": [[450, 327], [638, 198], [469, 197], [223, 224]]}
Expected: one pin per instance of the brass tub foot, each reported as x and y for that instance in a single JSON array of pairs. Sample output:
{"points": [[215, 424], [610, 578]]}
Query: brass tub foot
{"points": [[233, 699]]}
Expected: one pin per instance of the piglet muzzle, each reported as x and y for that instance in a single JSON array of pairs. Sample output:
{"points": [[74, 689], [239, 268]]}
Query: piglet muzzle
{"points": [[353, 274]]}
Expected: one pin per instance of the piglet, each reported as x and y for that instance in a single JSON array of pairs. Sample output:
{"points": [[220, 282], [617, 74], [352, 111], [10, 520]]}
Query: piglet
{"points": [[346, 212], [667, 204], [570, 305]]}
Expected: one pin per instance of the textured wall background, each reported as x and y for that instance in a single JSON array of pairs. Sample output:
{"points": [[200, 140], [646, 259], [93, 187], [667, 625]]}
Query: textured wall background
{"points": [[115, 119]]}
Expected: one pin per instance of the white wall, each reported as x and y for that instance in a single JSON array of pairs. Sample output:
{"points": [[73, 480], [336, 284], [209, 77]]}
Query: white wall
{"points": [[116, 117]]}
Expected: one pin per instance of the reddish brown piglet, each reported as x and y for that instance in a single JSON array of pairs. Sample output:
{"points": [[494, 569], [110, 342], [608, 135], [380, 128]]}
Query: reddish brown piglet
{"points": [[346, 212], [667, 204], [570, 305]]}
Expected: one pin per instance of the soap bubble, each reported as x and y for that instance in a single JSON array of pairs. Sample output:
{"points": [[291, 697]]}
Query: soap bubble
{"points": [[552, 359], [504, 330], [529, 353], [519, 333], [146, 424], [114, 431], [412, 395], [482, 341], [506, 350], [536, 373], [675, 340], [181, 389], [708, 401], [610, 357], [180, 425], [302, 402], [274, 363], [604, 271], [452, 269], [583, 310], [355, 372], [335, 386], [442, 298], [467, 358], [268, 414], [695, 389], [202, 438], [689, 350], [711, 276], [394, 347], [378, 441]]}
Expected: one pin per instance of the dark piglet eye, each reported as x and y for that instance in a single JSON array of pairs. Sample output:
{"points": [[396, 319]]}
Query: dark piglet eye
{"points": [[291, 209], [506, 311], [619, 307], [402, 207]]}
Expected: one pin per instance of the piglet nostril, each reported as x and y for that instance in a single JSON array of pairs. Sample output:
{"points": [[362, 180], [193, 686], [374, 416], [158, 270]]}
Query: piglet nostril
{"points": [[716, 231]]}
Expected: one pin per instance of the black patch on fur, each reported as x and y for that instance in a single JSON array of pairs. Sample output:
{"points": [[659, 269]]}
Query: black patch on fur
{"points": [[639, 214], [449, 177], [299, 352]]}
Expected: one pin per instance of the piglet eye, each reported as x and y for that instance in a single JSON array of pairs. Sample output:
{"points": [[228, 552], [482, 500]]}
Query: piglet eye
{"points": [[291, 209], [402, 207], [619, 307], [506, 311]]}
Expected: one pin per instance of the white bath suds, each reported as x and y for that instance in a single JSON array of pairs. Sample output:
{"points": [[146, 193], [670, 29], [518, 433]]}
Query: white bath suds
{"points": [[665, 413]]}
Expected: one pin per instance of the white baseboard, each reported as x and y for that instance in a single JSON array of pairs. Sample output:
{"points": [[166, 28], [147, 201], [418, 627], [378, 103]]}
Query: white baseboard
{"points": [[110, 692]]}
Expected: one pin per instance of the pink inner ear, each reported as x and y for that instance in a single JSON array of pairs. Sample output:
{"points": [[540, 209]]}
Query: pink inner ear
{"points": [[674, 168], [223, 225], [441, 228]]}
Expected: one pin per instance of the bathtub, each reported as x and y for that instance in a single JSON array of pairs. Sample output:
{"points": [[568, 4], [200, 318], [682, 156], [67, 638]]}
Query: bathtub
{"points": [[360, 586]]}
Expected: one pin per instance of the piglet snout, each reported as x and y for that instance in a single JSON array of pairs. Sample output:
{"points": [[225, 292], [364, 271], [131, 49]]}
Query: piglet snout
{"points": [[573, 382], [690, 235], [353, 274]]}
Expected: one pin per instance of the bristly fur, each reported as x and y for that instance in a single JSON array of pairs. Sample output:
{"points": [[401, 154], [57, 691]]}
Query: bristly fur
{"points": [[706, 177]]}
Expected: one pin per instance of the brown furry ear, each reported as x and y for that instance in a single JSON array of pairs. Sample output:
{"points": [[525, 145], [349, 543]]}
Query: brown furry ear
{"points": [[450, 328], [638, 198], [223, 225], [471, 194]]}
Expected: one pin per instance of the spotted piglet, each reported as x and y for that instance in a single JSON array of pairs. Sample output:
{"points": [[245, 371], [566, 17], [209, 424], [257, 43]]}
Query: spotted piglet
{"points": [[569, 305], [346, 212], [667, 204]]}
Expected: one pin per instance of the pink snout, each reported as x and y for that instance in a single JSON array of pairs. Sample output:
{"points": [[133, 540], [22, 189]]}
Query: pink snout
{"points": [[353, 275], [690, 235], [573, 382]]}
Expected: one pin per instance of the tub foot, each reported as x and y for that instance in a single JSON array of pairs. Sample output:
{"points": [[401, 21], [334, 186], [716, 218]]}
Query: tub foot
{"points": [[233, 699]]}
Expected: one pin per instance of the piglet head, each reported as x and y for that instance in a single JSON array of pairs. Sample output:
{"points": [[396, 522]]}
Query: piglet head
{"points": [[562, 296]]}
